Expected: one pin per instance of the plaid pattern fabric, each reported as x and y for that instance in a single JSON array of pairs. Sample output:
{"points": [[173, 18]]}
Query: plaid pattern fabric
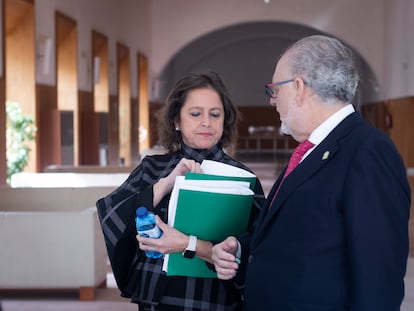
{"points": [[141, 278]]}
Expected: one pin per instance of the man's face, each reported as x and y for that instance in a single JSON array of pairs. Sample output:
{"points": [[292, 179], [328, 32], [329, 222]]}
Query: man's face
{"points": [[284, 101]]}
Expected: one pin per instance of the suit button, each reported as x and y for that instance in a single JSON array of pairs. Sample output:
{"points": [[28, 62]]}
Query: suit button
{"points": [[250, 259]]}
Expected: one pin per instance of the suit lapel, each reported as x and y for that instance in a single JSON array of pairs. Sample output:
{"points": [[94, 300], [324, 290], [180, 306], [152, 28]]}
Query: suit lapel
{"points": [[266, 204], [310, 165]]}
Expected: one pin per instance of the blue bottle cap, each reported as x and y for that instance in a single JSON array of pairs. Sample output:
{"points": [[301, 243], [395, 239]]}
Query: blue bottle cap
{"points": [[141, 211]]}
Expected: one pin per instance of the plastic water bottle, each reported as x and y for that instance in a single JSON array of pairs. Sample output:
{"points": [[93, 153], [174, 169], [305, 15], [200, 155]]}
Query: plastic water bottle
{"points": [[146, 226]]}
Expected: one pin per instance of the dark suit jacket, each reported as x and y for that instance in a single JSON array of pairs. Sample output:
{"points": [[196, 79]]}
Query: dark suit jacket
{"points": [[336, 236]]}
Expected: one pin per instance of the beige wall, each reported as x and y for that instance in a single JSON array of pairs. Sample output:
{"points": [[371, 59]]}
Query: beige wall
{"points": [[359, 23]]}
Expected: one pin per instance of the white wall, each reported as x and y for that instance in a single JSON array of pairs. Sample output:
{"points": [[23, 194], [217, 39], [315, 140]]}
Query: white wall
{"points": [[378, 29], [359, 23], [381, 30], [399, 49]]}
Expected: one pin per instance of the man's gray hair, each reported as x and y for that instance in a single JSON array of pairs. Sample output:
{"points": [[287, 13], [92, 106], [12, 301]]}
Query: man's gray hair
{"points": [[326, 65]]}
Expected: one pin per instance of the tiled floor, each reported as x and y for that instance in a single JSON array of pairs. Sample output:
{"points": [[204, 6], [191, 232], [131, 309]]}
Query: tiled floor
{"points": [[109, 300]]}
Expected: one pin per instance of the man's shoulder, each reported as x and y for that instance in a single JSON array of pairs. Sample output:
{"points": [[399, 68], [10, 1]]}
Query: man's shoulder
{"points": [[355, 125]]}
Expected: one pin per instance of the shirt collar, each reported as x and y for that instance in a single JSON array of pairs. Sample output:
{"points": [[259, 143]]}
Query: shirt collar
{"points": [[329, 124]]}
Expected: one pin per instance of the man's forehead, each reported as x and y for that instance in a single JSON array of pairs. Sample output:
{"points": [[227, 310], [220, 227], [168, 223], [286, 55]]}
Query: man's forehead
{"points": [[280, 69]]}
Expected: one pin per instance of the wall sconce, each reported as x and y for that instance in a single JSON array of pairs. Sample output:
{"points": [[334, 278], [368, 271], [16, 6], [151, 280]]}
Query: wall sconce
{"points": [[44, 53]]}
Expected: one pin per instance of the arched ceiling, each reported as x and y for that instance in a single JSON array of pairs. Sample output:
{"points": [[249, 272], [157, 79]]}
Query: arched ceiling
{"points": [[245, 56]]}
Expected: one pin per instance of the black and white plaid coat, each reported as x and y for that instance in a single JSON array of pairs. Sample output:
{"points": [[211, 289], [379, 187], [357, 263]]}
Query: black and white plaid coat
{"points": [[141, 278]]}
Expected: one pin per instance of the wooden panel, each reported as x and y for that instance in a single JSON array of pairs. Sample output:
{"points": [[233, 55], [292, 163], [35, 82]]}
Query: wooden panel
{"points": [[257, 116], [50, 142], [394, 117], [3, 165], [144, 109], [100, 72], [16, 11], [263, 117], [113, 131], [19, 49], [88, 130], [46, 97], [46, 101], [66, 25], [124, 104], [85, 100], [401, 117], [89, 138], [99, 42], [376, 115], [135, 158], [66, 39]]}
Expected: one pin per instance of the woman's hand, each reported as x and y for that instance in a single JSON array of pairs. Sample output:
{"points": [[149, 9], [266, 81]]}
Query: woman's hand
{"points": [[171, 241], [165, 185], [174, 241]]}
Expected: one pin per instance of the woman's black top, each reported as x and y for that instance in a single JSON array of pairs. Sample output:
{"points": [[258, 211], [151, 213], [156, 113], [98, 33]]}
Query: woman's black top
{"points": [[141, 278]]}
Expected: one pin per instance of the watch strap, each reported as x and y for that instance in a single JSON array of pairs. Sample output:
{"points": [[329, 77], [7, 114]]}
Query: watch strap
{"points": [[192, 243], [190, 250]]}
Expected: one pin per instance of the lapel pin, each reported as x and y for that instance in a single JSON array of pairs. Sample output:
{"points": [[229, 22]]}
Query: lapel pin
{"points": [[325, 155]]}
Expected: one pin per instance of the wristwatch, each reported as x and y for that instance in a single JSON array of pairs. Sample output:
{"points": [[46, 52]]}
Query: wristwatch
{"points": [[190, 251]]}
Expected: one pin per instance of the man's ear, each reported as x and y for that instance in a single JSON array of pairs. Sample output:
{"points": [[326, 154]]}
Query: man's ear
{"points": [[301, 91]]}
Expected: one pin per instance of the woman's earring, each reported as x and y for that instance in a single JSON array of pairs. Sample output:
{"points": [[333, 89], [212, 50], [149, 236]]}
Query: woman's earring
{"points": [[177, 128]]}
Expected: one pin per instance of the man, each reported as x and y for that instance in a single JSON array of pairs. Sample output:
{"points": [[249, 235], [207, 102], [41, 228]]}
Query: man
{"points": [[333, 234]]}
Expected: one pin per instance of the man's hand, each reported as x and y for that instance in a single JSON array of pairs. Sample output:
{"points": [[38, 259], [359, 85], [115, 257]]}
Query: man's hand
{"points": [[224, 258]]}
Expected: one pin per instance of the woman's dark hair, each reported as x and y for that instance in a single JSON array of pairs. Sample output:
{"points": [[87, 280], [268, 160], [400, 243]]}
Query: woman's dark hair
{"points": [[168, 136]]}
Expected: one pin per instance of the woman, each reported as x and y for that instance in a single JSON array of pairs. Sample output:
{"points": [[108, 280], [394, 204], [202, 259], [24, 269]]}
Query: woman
{"points": [[199, 119]]}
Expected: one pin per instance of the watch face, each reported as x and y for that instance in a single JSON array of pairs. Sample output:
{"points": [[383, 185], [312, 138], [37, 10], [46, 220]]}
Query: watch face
{"points": [[189, 254]]}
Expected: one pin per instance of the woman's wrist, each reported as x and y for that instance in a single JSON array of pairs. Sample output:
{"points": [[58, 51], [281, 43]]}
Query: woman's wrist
{"points": [[160, 187], [159, 191]]}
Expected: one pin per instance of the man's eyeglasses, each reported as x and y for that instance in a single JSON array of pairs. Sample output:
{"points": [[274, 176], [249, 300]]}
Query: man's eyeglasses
{"points": [[272, 88]]}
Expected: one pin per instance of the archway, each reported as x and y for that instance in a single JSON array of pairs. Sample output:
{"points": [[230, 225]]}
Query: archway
{"points": [[245, 55]]}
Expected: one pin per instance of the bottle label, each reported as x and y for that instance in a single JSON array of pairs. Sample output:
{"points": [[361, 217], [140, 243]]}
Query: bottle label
{"points": [[155, 232]]}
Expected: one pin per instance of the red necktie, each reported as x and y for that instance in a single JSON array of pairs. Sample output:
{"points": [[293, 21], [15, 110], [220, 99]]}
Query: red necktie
{"points": [[297, 155], [294, 161]]}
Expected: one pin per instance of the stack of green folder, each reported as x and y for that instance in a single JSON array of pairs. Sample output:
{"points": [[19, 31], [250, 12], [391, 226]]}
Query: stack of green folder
{"points": [[212, 206]]}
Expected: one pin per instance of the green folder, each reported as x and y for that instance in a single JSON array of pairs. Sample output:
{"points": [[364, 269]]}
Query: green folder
{"points": [[209, 216], [212, 206]]}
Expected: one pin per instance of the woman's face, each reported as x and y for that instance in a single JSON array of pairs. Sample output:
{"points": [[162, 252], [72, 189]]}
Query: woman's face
{"points": [[201, 118]]}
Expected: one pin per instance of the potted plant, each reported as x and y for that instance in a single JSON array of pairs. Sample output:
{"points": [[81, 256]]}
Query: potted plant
{"points": [[20, 129]]}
